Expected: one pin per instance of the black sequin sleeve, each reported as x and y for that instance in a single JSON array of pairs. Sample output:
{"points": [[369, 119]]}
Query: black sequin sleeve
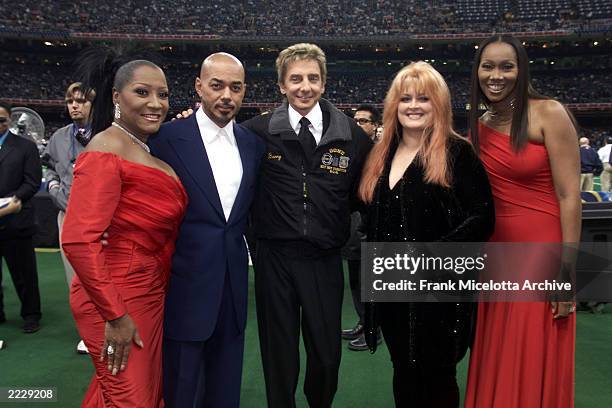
{"points": [[473, 194]]}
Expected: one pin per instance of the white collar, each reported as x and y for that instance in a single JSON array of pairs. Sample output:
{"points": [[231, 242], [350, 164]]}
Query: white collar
{"points": [[315, 116], [210, 130]]}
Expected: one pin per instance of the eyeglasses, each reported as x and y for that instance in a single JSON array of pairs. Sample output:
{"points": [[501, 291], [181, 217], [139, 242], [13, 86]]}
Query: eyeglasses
{"points": [[363, 121], [3, 120]]}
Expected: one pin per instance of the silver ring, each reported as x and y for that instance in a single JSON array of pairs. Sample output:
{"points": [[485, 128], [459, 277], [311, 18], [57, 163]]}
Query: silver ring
{"points": [[110, 350]]}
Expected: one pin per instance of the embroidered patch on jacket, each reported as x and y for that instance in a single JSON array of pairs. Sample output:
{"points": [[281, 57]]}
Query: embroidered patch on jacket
{"points": [[335, 161]]}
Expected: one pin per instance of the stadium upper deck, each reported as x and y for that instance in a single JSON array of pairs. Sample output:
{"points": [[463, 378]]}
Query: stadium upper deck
{"points": [[250, 19]]}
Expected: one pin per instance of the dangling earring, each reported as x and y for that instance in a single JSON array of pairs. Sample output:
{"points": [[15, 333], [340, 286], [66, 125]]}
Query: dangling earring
{"points": [[117, 111]]}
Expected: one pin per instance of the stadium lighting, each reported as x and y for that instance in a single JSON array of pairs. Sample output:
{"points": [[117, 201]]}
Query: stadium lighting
{"points": [[552, 62], [421, 47], [48, 43], [595, 42], [531, 61], [475, 47]]}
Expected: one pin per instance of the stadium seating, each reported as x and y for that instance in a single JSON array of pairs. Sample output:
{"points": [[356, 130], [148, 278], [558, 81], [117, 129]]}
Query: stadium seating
{"points": [[282, 18]]}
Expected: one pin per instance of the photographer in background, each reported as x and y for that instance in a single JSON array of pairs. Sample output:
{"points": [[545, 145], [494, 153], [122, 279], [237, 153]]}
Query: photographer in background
{"points": [[60, 155]]}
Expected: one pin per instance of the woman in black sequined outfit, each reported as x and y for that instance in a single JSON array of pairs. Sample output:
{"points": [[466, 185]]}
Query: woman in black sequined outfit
{"points": [[424, 183]]}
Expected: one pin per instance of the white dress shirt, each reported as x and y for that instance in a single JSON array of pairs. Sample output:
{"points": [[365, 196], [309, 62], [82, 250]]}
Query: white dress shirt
{"points": [[604, 153], [224, 158], [315, 116]]}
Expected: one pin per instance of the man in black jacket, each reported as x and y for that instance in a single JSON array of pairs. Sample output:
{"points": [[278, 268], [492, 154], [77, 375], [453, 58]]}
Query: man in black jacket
{"points": [[20, 176], [368, 118], [301, 217]]}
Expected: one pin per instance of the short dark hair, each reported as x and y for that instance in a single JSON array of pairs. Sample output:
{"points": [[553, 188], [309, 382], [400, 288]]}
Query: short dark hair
{"points": [[7, 107], [125, 73], [370, 108]]}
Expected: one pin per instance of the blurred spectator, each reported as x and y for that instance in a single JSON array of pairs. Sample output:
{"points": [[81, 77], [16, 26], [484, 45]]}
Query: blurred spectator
{"points": [[368, 118], [590, 165], [20, 176], [60, 156], [604, 156]]}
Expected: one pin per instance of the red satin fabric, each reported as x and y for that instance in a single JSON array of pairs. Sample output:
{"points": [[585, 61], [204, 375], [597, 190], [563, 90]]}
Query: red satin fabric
{"points": [[141, 208], [522, 357]]}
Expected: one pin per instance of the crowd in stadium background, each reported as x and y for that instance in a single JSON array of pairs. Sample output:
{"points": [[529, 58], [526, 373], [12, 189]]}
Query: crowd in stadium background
{"points": [[329, 18], [367, 42]]}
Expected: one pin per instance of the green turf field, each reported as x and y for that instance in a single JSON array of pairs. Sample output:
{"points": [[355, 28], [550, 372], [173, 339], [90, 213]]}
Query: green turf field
{"points": [[48, 358]]}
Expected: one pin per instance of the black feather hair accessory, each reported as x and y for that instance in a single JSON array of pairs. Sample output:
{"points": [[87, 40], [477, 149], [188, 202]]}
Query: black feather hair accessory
{"points": [[96, 70]]}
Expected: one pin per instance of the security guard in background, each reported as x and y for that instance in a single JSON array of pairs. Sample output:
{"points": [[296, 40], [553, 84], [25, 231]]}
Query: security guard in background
{"points": [[301, 217]]}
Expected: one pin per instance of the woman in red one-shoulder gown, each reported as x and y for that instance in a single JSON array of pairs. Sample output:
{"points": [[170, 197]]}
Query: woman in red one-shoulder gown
{"points": [[523, 353], [522, 357], [117, 295]]}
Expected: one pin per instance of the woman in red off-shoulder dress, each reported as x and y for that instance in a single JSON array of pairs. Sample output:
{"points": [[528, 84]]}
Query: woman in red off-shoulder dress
{"points": [[117, 296]]}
